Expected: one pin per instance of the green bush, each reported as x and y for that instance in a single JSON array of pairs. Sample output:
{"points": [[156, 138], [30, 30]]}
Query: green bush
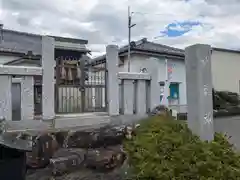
{"points": [[165, 149]]}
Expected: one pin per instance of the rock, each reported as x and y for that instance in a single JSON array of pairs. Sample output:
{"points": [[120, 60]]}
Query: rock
{"points": [[46, 144], [102, 163], [105, 159], [66, 161], [61, 137], [43, 148], [103, 137]]}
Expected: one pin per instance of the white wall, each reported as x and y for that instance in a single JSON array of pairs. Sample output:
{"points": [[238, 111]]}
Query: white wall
{"points": [[226, 71], [179, 75]]}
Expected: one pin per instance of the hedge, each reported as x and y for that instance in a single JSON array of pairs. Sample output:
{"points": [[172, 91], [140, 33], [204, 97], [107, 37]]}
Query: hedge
{"points": [[165, 149]]}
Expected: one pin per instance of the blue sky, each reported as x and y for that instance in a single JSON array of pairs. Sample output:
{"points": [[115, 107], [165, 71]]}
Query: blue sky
{"points": [[179, 28]]}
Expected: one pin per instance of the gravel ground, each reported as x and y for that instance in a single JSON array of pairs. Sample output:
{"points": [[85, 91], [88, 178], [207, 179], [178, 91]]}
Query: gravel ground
{"points": [[82, 174]]}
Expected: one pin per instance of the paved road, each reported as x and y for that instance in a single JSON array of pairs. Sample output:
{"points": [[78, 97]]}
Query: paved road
{"points": [[231, 126]]}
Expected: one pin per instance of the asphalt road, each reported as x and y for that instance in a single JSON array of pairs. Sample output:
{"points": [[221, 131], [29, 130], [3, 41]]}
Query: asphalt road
{"points": [[231, 126]]}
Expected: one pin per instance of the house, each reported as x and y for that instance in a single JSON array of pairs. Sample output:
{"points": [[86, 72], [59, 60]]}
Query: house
{"points": [[24, 49], [225, 68], [143, 50]]}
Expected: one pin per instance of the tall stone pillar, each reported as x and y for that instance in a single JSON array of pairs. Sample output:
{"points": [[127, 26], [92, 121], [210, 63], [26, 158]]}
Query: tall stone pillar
{"points": [[27, 104], [199, 90], [48, 83], [6, 97], [154, 84], [141, 97], [112, 79], [128, 94]]}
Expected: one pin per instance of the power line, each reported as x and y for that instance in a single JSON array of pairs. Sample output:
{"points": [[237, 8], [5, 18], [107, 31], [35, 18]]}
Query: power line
{"points": [[156, 14]]}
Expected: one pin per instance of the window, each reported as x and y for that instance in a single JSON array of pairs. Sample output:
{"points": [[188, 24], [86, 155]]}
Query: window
{"points": [[173, 93]]}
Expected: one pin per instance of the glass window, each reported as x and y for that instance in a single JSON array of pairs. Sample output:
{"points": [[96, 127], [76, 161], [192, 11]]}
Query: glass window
{"points": [[174, 91]]}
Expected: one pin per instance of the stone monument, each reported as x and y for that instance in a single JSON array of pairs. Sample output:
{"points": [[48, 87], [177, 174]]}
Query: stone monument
{"points": [[199, 90]]}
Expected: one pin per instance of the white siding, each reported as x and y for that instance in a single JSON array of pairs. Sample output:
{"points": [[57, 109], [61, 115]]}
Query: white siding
{"points": [[226, 71], [179, 75]]}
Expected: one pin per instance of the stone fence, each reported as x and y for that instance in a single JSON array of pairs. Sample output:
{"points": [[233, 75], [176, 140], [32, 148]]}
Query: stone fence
{"points": [[17, 87], [130, 93], [22, 97], [133, 95]]}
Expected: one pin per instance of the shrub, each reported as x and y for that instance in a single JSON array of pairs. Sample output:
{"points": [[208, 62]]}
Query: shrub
{"points": [[165, 149]]}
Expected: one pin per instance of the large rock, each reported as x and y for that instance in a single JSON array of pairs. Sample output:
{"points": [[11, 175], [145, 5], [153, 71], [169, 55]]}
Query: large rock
{"points": [[45, 145], [66, 161], [101, 163], [43, 148], [105, 159], [103, 137]]}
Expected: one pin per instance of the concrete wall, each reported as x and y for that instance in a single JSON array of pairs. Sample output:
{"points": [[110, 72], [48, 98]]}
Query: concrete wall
{"points": [[27, 73], [225, 71], [6, 96], [134, 97], [27, 96], [138, 91], [25, 78]]}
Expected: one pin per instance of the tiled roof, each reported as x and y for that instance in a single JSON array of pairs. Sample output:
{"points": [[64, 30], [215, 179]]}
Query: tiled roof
{"points": [[9, 47], [150, 46], [22, 42], [146, 46]]}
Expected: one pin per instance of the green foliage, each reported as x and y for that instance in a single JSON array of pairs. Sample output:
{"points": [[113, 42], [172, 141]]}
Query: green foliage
{"points": [[165, 149], [224, 99]]}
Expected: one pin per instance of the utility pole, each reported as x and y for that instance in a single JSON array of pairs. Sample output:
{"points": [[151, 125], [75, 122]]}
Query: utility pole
{"points": [[130, 25], [1, 33]]}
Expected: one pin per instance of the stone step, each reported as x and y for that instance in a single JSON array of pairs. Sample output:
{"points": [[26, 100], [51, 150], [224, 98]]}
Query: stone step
{"points": [[61, 122], [80, 120], [74, 115]]}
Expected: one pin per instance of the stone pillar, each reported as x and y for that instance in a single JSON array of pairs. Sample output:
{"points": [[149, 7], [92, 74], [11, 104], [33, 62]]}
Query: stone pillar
{"points": [[166, 85], [199, 90], [141, 97], [6, 97], [112, 79], [27, 100], [154, 84], [48, 83], [128, 96]]}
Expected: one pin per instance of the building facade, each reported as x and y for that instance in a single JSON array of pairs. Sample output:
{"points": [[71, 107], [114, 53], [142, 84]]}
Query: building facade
{"points": [[25, 49], [225, 71]]}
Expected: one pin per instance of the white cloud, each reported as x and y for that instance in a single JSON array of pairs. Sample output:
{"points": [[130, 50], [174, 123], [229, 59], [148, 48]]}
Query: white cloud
{"points": [[103, 22]]}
